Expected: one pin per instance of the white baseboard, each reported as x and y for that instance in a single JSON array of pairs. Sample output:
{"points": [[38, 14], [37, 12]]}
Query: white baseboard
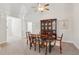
{"points": [[73, 43], [77, 46], [68, 41], [2, 42]]}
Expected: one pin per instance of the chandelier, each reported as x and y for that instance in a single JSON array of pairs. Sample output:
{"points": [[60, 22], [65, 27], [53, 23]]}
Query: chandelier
{"points": [[43, 7]]}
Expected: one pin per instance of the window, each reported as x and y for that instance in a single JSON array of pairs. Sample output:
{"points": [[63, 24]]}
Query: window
{"points": [[29, 27]]}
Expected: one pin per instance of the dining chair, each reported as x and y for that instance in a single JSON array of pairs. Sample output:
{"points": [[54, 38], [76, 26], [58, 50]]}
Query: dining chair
{"points": [[27, 36], [34, 41], [43, 43], [59, 39]]}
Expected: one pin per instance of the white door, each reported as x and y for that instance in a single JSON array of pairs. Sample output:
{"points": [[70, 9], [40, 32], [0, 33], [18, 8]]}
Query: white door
{"points": [[14, 28]]}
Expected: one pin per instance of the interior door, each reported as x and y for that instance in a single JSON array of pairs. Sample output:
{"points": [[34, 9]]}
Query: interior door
{"points": [[14, 28]]}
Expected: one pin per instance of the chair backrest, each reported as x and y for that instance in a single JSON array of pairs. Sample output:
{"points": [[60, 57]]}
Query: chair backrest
{"points": [[61, 36], [29, 37], [32, 37], [27, 34]]}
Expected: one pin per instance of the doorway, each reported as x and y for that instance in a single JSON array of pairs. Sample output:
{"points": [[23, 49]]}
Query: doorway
{"points": [[29, 27], [14, 29]]}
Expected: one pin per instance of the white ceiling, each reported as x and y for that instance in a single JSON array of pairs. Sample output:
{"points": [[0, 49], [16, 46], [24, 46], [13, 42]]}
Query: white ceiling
{"points": [[25, 9], [14, 9]]}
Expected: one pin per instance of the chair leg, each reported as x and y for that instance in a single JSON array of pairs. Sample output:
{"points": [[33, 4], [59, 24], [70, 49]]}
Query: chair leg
{"points": [[60, 47], [35, 47], [46, 49], [39, 47], [27, 41], [30, 45], [49, 46]]}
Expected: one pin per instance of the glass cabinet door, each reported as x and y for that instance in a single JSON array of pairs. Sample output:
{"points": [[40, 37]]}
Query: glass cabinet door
{"points": [[53, 25]]}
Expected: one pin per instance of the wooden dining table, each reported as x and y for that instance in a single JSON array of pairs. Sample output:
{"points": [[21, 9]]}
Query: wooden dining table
{"points": [[39, 36]]}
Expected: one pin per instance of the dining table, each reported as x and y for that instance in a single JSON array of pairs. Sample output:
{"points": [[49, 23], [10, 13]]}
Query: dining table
{"points": [[44, 38]]}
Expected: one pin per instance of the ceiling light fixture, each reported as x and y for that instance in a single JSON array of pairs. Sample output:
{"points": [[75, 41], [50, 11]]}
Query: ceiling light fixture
{"points": [[43, 7]]}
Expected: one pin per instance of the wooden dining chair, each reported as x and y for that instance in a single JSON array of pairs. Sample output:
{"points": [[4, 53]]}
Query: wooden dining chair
{"points": [[34, 41], [43, 43], [27, 36], [59, 39]]}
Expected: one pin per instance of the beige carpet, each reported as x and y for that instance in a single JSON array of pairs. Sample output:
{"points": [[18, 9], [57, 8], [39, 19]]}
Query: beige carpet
{"points": [[19, 47]]}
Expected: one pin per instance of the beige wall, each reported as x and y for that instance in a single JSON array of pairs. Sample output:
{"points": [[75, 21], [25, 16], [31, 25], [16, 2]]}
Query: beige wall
{"points": [[2, 27], [76, 24]]}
